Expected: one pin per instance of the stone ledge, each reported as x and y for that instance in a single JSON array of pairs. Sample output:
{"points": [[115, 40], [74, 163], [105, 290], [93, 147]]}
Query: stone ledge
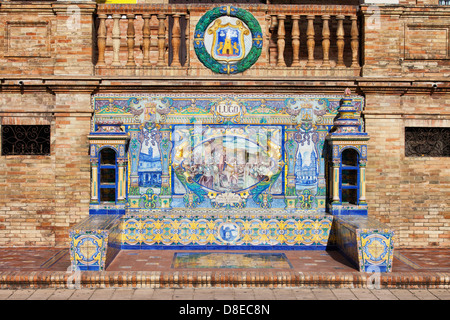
{"points": [[203, 279]]}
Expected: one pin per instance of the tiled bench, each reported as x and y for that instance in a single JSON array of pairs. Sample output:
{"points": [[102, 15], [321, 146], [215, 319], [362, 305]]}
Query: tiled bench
{"points": [[368, 243], [95, 242]]}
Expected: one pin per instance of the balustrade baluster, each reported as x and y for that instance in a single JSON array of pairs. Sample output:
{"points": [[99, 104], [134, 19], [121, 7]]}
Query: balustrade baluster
{"points": [[354, 42], [326, 41], [187, 40], [295, 41], [176, 40], [146, 40], [272, 45], [130, 40], [161, 39], [310, 40], [101, 39], [280, 41], [340, 40], [116, 40]]}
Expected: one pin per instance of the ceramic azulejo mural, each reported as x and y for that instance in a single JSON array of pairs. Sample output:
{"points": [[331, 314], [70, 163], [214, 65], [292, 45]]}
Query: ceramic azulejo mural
{"points": [[223, 151]]}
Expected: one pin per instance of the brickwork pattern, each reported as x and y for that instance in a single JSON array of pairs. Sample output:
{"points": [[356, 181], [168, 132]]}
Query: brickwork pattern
{"points": [[219, 279], [406, 41], [50, 38], [411, 194], [43, 196]]}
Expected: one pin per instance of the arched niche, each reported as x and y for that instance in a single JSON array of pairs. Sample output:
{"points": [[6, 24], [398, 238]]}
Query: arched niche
{"points": [[107, 175], [349, 176], [109, 162]]}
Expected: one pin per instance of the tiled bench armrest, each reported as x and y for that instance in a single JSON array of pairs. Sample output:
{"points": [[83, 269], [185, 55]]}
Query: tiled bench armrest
{"points": [[94, 242], [368, 243]]}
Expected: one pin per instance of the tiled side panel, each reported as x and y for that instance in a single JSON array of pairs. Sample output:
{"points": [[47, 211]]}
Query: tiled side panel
{"points": [[366, 242], [94, 242], [88, 249], [375, 250]]}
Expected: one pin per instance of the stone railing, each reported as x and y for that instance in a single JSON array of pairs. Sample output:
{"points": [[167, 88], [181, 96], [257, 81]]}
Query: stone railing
{"points": [[135, 37], [157, 40], [313, 22]]}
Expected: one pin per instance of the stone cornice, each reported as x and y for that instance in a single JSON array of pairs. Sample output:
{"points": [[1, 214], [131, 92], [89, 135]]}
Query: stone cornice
{"points": [[405, 10], [202, 7], [404, 86], [95, 84], [48, 7]]}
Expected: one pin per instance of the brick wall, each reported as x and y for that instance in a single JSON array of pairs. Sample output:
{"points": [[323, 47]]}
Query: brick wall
{"points": [[42, 196], [411, 194], [406, 46], [406, 41], [51, 38], [72, 166]]}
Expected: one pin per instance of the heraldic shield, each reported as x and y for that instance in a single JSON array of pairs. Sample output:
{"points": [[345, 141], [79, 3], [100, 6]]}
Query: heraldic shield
{"points": [[228, 41]]}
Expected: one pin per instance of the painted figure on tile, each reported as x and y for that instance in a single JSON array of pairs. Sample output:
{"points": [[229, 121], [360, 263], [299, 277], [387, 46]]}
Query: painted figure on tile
{"points": [[228, 159], [228, 231], [150, 167]]}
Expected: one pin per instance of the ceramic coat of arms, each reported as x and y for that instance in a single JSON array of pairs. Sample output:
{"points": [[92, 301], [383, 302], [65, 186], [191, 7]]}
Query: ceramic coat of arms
{"points": [[228, 40]]}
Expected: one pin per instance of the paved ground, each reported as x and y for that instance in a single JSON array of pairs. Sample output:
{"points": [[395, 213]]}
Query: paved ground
{"points": [[57, 259], [408, 263], [225, 294]]}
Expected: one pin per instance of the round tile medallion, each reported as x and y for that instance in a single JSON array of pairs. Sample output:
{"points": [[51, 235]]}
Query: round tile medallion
{"points": [[228, 40]]}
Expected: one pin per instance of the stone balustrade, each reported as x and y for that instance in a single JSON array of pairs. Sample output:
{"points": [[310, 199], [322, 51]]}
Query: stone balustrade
{"points": [[298, 40], [129, 39], [311, 21]]}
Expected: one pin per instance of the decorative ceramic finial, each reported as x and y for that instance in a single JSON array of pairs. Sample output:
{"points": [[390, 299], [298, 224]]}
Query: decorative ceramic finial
{"points": [[347, 121]]}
